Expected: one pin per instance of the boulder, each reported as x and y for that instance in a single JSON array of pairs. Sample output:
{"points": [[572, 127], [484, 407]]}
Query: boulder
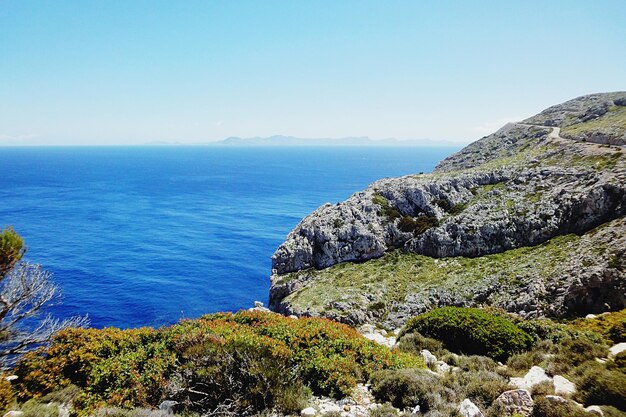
{"points": [[535, 376], [469, 409], [168, 407], [595, 409], [429, 358], [308, 412], [563, 386], [516, 401], [617, 349]]}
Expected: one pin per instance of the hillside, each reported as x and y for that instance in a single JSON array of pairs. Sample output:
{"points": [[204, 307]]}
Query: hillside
{"points": [[530, 219]]}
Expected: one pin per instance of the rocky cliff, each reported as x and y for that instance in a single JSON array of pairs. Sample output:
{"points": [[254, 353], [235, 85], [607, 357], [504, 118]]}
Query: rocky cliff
{"points": [[529, 218]]}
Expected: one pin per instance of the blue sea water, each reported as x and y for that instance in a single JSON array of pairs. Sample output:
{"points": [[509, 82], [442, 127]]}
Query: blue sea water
{"points": [[139, 236]]}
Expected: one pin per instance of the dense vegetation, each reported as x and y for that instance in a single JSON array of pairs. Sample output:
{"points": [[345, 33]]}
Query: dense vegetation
{"points": [[471, 331], [247, 362], [564, 349]]}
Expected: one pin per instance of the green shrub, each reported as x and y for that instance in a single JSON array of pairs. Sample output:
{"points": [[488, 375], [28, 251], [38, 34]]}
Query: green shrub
{"points": [[570, 353], [253, 361], [482, 386], [597, 385], [620, 361], [7, 396], [550, 408], [34, 408], [545, 330], [414, 343], [385, 410], [471, 331], [406, 388], [612, 412], [611, 325]]}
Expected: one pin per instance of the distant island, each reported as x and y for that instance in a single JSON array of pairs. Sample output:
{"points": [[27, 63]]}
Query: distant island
{"points": [[282, 140]]}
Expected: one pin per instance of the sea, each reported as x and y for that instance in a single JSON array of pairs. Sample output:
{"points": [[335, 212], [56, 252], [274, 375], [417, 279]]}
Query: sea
{"points": [[149, 235]]}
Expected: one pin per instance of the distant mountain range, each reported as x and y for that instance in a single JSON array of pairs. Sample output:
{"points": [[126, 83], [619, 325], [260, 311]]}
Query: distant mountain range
{"points": [[280, 140]]}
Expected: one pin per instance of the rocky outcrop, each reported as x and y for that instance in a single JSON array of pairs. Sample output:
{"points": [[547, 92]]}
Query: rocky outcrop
{"points": [[520, 187]]}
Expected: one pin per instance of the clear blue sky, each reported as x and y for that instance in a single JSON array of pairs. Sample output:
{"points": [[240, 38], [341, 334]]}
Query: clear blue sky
{"points": [[125, 72]]}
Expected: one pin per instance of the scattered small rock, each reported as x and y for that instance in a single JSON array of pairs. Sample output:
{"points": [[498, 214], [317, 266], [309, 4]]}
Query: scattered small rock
{"points": [[556, 398], [469, 409], [308, 412]]}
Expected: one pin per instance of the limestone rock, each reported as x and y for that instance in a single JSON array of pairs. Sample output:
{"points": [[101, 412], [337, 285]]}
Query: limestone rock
{"points": [[556, 399], [617, 349], [168, 407], [469, 409], [308, 412], [429, 358], [595, 409], [522, 186], [563, 386], [516, 401]]}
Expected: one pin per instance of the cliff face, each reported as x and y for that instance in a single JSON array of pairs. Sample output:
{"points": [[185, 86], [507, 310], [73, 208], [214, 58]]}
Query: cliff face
{"points": [[547, 177]]}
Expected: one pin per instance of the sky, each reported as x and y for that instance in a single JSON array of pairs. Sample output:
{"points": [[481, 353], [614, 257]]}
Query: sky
{"points": [[129, 72]]}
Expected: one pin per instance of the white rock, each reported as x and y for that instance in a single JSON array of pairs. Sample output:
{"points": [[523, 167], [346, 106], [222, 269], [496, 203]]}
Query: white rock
{"points": [[442, 367], [556, 398], [617, 349], [429, 358], [595, 409], [308, 412], [258, 304], [293, 316], [11, 378], [518, 382], [563, 386], [14, 413], [590, 316], [536, 376], [380, 339], [368, 328], [469, 409], [330, 408]]}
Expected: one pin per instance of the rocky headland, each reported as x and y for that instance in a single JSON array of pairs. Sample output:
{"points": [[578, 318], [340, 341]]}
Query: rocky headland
{"points": [[529, 219]]}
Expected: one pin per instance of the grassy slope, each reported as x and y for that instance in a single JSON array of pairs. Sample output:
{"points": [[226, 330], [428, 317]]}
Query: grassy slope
{"points": [[397, 274]]}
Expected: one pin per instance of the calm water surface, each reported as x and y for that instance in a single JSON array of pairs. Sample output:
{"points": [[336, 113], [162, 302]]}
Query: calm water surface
{"points": [[141, 236]]}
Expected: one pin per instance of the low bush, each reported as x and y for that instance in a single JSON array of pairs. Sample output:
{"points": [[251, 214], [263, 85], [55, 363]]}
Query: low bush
{"points": [[544, 407], [406, 388], [252, 361], [414, 343], [598, 385], [611, 325], [570, 353], [471, 331], [7, 396]]}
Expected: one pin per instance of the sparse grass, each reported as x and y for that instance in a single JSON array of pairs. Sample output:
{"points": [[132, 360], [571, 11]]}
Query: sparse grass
{"points": [[391, 278], [611, 124]]}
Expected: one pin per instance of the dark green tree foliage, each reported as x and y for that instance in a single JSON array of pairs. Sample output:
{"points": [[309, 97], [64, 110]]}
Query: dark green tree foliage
{"points": [[25, 291], [471, 331], [11, 250]]}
